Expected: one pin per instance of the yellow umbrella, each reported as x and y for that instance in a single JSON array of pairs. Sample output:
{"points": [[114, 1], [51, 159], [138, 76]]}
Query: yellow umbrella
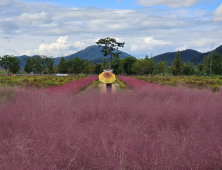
{"points": [[107, 77]]}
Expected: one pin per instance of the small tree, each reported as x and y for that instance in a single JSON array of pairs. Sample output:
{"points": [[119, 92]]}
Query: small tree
{"points": [[149, 65], [87, 65], [91, 68], [109, 43], [10, 63], [55, 69], [28, 65], [188, 68], [62, 65], [161, 67], [177, 65], [49, 61], [139, 67], [98, 68], [38, 64]]}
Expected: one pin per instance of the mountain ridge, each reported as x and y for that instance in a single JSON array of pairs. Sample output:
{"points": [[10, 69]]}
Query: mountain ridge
{"points": [[93, 54], [191, 55]]}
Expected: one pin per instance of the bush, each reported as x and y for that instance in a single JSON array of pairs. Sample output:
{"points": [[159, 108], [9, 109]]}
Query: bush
{"points": [[121, 84]]}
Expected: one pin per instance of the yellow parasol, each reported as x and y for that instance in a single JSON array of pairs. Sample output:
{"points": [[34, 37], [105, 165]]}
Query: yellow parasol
{"points": [[107, 77]]}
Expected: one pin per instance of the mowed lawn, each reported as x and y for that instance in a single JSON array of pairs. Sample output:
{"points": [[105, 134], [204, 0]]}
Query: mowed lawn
{"points": [[148, 127]]}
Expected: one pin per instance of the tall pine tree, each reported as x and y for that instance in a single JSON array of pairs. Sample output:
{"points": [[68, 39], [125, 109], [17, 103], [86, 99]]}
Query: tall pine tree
{"points": [[177, 66]]}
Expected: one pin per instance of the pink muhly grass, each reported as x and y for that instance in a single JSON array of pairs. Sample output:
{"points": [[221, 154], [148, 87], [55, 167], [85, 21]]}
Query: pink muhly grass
{"points": [[74, 86], [147, 128], [134, 83]]}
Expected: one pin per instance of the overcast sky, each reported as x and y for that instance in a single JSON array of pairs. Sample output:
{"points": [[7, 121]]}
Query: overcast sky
{"points": [[59, 28]]}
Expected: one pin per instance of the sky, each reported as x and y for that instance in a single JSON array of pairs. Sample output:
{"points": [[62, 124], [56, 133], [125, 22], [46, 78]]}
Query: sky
{"points": [[148, 27]]}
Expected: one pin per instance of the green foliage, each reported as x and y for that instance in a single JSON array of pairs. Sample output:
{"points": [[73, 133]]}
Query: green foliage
{"points": [[188, 69], [92, 68], [62, 66], [177, 65], [109, 43], [37, 82], [49, 64], [87, 67], [104, 64], [143, 66], [37, 64], [216, 63], [98, 69], [150, 65], [121, 84], [28, 65], [55, 69], [77, 64], [161, 67], [126, 65], [10, 64], [49, 84]]}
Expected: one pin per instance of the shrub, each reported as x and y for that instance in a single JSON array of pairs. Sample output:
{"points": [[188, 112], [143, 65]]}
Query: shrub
{"points": [[49, 84], [121, 84], [215, 88]]}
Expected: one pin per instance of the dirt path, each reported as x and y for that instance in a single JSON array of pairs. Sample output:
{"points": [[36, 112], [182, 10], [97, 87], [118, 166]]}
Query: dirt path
{"points": [[115, 88]]}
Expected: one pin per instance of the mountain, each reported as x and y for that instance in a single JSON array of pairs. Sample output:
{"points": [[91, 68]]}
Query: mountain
{"points": [[193, 56], [92, 53], [199, 58], [186, 55]]}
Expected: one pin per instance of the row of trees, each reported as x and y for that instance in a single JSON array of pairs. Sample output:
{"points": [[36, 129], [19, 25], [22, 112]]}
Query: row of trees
{"points": [[74, 65], [39, 64], [129, 65], [43, 64]]}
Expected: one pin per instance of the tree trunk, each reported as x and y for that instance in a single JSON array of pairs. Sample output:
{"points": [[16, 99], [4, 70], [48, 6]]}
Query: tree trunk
{"points": [[110, 61]]}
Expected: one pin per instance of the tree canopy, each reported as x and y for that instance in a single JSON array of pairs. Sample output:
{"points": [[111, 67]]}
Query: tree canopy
{"points": [[109, 44], [10, 64], [177, 65]]}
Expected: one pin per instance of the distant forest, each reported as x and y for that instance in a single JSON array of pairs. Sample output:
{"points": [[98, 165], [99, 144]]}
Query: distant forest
{"points": [[187, 62]]}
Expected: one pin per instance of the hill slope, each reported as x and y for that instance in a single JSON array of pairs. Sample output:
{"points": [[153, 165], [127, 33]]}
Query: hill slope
{"points": [[186, 55], [199, 58], [92, 53], [193, 56]]}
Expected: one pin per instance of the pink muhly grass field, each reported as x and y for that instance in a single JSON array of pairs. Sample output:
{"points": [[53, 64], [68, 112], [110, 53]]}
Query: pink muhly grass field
{"points": [[74, 86], [146, 128], [134, 83]]}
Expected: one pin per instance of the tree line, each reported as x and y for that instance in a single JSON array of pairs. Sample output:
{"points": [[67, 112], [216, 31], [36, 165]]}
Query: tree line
{"points": [[127, 66]]}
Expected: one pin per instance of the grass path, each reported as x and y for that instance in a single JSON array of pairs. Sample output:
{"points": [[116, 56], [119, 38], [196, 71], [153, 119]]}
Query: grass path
{"points": [[115, 87]]}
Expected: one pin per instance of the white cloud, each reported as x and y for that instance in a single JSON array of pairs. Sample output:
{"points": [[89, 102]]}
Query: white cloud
{"points": [[169, 3], [181, 48], [61, 47], [218, 14], [202, 42], [24, 25], [148, 43], [35, 19]]}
